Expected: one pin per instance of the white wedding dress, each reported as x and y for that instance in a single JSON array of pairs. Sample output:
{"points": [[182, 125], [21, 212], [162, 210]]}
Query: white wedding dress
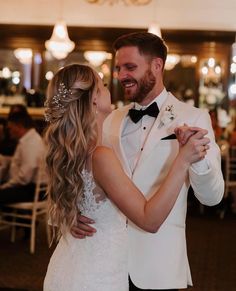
{"points": [[97, 263]]}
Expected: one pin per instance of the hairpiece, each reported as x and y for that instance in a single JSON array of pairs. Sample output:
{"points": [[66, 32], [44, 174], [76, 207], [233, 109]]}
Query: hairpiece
{"points": [[57, 102]]}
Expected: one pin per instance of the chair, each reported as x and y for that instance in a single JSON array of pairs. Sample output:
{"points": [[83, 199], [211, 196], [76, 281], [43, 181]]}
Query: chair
{"points": [[230, 173], [230, 181], [224, 151], [26, 214]]}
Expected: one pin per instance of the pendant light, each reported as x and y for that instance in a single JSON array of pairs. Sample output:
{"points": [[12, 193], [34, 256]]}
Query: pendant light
{"points": [[60, 45]]}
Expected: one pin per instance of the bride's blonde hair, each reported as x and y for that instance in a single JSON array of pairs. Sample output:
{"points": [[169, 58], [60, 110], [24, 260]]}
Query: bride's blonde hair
{"points": [[70, 137]]}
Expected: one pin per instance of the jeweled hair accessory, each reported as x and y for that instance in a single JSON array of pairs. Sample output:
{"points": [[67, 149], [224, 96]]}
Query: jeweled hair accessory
{"points": [[55, 108]]}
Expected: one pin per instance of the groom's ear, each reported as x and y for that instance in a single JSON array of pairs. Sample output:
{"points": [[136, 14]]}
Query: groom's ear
{"points": [[158, 64]]}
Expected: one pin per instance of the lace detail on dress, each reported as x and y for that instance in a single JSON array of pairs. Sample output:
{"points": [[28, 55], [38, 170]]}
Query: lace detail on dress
{"points": [[97, 263], [92, 197]]}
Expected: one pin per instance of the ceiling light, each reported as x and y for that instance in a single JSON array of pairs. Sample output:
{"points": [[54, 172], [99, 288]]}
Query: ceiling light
{"points": [[59, 44], [96, 58], [171, 61], [24, 55]]}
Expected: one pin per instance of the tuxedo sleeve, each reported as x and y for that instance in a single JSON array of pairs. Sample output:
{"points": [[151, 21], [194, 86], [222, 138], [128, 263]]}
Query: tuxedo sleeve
{"points": [[208, 186]]}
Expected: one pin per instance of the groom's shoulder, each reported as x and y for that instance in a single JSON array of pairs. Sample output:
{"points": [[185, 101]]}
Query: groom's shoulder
{"points": [[119, 111], [124, 108], [188, 108], [115, 115]]}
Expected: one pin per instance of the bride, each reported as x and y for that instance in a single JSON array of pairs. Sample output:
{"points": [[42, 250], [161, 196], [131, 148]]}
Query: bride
{"points": [[86, 177]]}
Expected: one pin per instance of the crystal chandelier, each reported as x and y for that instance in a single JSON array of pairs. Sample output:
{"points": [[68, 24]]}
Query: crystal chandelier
{"points": [[59, 44], [126, 2], [171, 61], [96, 58], [24, 55]]}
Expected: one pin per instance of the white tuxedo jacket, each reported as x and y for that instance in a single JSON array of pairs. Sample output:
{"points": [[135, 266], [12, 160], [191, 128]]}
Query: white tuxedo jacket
{"points": [[159, 261]]}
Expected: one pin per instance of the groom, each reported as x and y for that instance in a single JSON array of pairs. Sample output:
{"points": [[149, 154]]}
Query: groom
{"points": [[142, 136]]}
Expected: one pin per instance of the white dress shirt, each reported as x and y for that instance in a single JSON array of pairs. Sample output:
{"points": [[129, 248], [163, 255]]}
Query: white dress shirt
{"points": [[134, 136], [26, 160]]}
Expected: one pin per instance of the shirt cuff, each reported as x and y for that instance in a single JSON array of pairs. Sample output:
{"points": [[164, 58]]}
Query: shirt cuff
{"points": [[201, 168]]}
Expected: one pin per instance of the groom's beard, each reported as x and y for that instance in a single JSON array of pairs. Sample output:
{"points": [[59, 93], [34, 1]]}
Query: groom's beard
{"points": [[144, 87]]}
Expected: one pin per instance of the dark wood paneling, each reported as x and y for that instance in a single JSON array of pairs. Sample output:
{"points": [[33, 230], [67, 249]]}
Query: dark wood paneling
{"points": [[34, 36], [203, 44]]}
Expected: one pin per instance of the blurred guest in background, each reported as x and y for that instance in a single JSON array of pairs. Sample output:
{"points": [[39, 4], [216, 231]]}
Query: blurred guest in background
{"points": [[24, 164], [215, 124], [7, 143]]}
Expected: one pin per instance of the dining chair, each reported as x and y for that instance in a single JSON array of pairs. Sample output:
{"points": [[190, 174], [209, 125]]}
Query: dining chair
{"points": [[230, 174], [231, 170], [26, 214], [224, 151]]}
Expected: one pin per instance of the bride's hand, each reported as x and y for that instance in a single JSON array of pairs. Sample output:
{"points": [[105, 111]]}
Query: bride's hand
{"points": [[193, 144]]}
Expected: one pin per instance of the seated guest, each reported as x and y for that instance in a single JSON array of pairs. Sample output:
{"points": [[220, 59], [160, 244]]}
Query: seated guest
{"points": [[24, 164], [8, 144], [17, 107]]}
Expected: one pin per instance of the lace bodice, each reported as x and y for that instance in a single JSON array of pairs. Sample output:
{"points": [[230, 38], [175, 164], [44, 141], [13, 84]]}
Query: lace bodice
{"points": [[93, 196], [97, 263]]}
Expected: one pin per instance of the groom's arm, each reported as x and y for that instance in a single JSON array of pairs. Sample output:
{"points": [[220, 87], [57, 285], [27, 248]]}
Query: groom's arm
{"points": [[206, 176], [83, 227]]}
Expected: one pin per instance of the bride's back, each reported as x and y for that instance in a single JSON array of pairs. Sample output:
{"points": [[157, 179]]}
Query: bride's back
{"points": [[94, 263]]}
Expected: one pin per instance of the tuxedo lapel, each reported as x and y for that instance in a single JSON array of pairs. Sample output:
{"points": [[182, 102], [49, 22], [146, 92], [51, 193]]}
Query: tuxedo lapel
{"points": [[117, 126], [160, 131]]}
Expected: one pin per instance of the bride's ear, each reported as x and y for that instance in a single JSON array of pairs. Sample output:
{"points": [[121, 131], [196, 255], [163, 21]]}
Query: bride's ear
{"points": [[94, 99], [95, 106]]}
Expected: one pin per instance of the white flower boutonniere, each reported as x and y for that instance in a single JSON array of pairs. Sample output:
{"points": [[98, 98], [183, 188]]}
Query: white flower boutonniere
{"points": [[168, 115]]}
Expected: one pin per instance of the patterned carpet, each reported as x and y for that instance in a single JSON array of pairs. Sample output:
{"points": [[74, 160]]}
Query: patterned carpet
{"points": [[211, 249]]}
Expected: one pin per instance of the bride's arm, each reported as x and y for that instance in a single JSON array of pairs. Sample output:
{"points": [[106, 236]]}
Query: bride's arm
{"points": [[149, 215]]}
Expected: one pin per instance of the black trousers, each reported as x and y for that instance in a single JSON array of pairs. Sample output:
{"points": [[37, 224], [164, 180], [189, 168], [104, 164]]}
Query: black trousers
{"points": [[132, 287]]}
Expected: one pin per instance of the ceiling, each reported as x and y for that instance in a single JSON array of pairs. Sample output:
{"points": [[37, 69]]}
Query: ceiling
{"points": [[171, 14]]}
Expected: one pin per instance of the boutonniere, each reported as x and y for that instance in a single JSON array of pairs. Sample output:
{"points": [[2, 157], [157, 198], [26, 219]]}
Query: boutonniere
{"points": [[168, 115]]}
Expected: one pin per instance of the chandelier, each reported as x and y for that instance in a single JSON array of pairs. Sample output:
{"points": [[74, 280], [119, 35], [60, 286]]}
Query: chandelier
{"points": [[24, 55], [171, 61], [96, 58], [126, 2], [59, 45]]}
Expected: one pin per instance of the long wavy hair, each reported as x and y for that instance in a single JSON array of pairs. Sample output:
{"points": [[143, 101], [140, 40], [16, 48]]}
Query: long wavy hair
{"points": [[70, 138]]}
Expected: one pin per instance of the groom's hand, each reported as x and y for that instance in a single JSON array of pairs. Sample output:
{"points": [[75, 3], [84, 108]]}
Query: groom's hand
{"points": [[82, 228]]}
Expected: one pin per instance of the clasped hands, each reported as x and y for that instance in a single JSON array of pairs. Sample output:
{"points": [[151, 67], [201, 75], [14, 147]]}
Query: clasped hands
{"points": [[200, 142]]}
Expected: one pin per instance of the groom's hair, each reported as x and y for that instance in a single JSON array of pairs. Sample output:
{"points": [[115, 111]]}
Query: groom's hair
{"points": [[147, 43]]}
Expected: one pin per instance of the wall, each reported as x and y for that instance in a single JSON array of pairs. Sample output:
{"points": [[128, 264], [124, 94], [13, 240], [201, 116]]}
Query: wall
{"points": [[171, 14]]}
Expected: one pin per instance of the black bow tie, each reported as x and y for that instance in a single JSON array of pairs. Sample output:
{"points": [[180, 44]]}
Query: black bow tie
{"points": [[151, 110]]}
